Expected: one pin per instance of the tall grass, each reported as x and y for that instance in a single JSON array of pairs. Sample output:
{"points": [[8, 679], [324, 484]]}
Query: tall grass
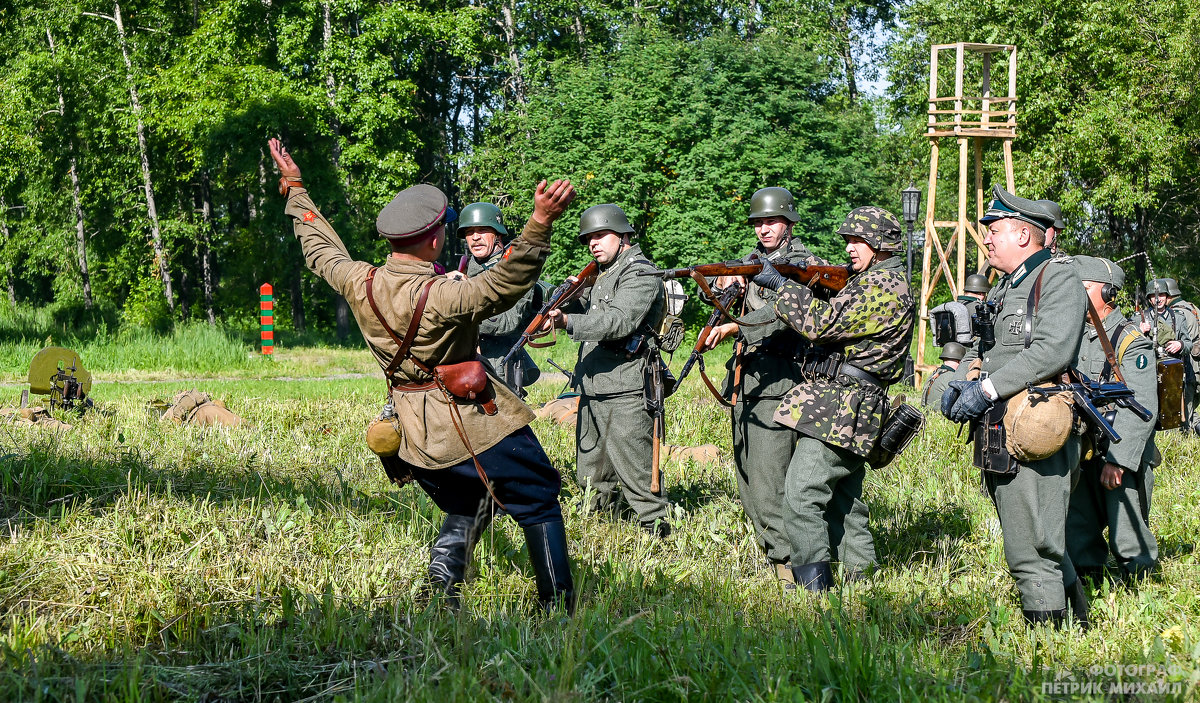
{"points": [[142, 561]]}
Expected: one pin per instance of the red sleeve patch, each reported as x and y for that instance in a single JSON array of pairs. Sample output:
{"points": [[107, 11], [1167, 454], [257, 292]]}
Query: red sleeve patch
{"points": [[310, 216]]}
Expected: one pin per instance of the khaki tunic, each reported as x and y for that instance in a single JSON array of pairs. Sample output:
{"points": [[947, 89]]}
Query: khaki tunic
{"points": [[448, 333]]}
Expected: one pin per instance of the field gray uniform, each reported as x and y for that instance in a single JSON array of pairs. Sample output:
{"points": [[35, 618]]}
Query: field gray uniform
{"points": [[1032, 504], [771, 360], [498, 334], [1124, 510], [613, 433]]}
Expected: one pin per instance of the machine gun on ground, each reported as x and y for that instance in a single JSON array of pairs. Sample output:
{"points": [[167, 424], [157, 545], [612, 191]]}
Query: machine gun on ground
{"points": [[58, 372]]}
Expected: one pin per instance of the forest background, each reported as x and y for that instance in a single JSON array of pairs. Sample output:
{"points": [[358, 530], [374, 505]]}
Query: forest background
{"points": [[135, 189]]}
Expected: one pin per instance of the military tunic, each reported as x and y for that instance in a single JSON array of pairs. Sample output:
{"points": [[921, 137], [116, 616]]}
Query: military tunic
{"points": [[1032, 504], [870, 323], [613, 432], [1124, 510], [522, 476], [498, 334], [770, 366]]}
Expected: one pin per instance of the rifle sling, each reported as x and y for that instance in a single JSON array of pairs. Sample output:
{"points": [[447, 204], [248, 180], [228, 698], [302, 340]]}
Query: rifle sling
{"points": [[403, 352], [1110, 354], [712, 388], [702, 283]]}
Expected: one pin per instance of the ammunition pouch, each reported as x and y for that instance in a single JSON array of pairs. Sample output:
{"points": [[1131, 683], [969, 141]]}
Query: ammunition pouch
{"points": [[991, 449], [902, 424], [833, 366], [629, 347], [467, 382]]}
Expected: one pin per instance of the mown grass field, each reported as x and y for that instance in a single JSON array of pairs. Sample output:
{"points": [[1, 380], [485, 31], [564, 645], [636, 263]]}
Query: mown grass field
{"points": [[144, 562]]}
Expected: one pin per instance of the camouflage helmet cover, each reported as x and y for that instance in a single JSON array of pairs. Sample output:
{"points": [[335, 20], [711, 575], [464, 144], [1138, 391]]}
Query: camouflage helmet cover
{"points": [[772, 202], [480, 215], [875, 226], [599, 218]]}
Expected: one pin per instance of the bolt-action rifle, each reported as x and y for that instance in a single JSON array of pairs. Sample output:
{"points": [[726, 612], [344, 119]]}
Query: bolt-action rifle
{"points": [[567, 291], [725, 298], [829, 277]]}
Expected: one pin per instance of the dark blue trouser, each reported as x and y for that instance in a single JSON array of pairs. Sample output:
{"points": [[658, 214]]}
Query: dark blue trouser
{"points": [[521, 475]]}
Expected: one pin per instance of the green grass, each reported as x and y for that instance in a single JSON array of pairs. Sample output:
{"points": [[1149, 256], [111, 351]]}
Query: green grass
{"points": [[145, 562]]}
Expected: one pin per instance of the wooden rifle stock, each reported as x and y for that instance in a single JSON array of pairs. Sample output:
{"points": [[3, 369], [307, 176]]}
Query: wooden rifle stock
{"points": [[564, 293], [831, 278]]}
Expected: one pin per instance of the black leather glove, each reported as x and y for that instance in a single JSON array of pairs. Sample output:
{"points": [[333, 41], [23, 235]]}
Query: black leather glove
{"points": [[972, 402], [769, 277], [949, 398]]}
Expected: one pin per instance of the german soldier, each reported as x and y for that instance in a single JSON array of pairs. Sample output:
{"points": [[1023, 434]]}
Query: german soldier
{"points": [[1041, 304], [1054, 212], [1115, 487], [1188, 318], [765, 365], [859, 341], [1175, 332], [433, 428], [613, 433], [482, 226]]}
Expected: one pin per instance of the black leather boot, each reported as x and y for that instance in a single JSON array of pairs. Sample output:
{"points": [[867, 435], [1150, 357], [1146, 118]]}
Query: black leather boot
{"points": [[816, 577], [547, 544], [1054, 618], [451, 551], [1077, 599]]}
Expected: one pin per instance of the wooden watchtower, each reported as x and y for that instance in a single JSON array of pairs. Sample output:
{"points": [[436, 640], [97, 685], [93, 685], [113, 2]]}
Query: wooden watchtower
{"points": [[969, 120]]}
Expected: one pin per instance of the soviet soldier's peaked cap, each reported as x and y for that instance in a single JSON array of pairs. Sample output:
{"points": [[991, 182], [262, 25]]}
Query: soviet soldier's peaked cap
{"points": [[772, 202], [600, 218], [1172, 286], [480, 215], [414, 213], [1053, 210], [1158, 287], [1100, 270], [1005, 205], [873, 225]]}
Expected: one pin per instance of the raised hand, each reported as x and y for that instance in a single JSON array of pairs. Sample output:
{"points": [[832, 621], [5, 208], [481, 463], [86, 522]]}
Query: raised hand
{"points": [[283, 160], [549, 201]]}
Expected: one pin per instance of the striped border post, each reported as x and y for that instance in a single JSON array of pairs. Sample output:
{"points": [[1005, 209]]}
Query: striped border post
{"points": [[266, 317]]}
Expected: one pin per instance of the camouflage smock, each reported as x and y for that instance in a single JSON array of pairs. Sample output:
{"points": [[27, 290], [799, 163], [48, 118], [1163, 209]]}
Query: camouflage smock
{"points": [[871, 322]]}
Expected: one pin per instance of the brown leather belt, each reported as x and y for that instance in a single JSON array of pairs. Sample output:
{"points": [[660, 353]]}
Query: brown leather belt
{"points": [[415, 387]]}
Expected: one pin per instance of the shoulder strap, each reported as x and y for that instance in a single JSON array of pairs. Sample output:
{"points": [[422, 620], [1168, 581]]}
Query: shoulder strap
{"points": [[1124, 342], [402, 345], [1031, 305]]}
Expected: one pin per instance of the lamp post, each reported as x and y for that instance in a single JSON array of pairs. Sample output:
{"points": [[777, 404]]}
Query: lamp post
{"points": [[910, 202]]}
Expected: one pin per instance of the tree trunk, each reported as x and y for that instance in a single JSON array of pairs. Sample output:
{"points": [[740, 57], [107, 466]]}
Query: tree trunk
{"points": [[751, 19], [76, 199], [580, 37], [514, 58], [845, 35], [342, 318], [298, 300], [205, 246], [160, 252], [8, 276]]}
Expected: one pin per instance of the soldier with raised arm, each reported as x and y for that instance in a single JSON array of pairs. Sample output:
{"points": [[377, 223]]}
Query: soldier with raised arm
{"points": [[472, 455]]}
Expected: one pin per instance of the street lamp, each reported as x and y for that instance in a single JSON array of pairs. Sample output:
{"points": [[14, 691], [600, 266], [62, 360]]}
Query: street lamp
{"points": [[910, 203]]}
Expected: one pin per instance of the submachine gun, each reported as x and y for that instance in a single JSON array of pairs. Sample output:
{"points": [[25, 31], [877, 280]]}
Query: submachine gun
{"points": [[1090, 396]]}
